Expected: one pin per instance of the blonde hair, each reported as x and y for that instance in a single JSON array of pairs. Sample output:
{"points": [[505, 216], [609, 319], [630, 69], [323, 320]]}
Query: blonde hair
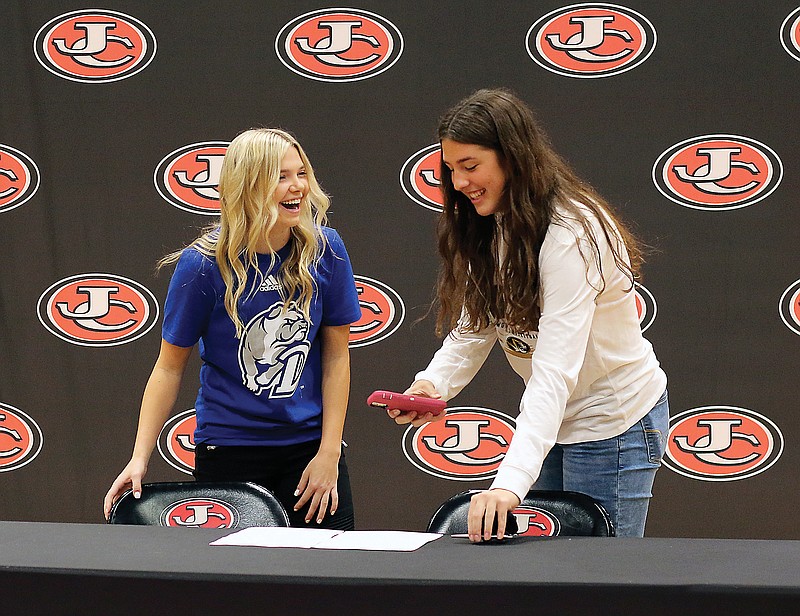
{"points": [[248, 212]]}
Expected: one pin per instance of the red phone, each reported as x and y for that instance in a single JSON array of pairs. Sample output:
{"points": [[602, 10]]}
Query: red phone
{"points": [[404, 402]]}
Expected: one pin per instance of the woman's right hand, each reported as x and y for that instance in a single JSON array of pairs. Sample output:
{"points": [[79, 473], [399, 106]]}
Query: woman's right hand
{"points": [[418, 388], [129, 479]]}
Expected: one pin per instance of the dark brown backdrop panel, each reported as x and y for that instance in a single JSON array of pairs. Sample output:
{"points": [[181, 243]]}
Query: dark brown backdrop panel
{"points": [[717, 276]]}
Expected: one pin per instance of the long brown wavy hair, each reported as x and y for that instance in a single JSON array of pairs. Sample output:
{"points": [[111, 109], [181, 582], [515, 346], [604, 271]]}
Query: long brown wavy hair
{"points": [[540, 188]]}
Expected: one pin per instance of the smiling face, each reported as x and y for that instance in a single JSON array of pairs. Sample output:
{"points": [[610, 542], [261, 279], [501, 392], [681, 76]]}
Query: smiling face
{"points": [[477, 172], [292, 188]]}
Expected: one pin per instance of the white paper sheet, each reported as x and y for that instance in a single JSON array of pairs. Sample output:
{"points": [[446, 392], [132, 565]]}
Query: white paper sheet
{"points": [[272, 537], [390, 540], [319, 538]]}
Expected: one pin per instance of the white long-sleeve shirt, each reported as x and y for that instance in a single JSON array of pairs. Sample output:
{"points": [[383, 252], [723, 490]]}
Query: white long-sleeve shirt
{"points": [[589, 373]]}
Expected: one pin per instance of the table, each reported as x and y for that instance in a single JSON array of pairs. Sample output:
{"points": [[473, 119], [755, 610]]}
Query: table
{"points": [[53, 568]]}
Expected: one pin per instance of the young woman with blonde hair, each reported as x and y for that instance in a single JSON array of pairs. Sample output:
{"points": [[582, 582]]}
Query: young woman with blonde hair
{"points": [[269, 295], [534, 258]]}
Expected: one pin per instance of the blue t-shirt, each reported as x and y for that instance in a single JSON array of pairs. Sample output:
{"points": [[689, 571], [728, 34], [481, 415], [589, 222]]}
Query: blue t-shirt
{"points": [[265, 388]]}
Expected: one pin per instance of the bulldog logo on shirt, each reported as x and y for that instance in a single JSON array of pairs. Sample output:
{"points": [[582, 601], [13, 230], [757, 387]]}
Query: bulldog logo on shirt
{"points": [[273, 351]]}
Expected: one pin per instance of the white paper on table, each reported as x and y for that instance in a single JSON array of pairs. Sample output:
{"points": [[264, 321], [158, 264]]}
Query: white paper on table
{"points": [[320, 538], [388, 540], [277, 537]]}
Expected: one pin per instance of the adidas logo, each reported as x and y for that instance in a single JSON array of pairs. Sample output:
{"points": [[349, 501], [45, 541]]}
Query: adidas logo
{"points": [[270, 284]]}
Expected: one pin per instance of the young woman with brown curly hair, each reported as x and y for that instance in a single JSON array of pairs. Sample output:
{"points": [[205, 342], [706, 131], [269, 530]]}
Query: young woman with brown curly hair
{"points": [[534, 258]]}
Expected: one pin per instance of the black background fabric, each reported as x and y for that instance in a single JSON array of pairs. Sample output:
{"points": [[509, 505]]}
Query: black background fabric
{"points": [[717, 276]]}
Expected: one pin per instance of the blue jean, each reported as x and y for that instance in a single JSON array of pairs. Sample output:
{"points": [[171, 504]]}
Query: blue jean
{"points": [[618, 472]]}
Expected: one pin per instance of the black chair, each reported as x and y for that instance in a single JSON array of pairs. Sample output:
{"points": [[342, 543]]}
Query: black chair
{"points": [[451, 517], [231, 504], [571, 514], [541, 513]]}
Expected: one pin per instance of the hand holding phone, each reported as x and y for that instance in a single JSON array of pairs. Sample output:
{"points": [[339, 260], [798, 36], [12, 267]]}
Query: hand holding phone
{"points": [[406, 402]]}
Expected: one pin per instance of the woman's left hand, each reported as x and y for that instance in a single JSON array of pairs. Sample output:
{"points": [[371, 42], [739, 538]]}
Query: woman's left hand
{"points": [[318, 486], [483, 508]]}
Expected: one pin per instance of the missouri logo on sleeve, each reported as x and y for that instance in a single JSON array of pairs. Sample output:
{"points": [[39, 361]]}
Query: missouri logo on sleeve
{"points": [[339, 45], [94, 46]]}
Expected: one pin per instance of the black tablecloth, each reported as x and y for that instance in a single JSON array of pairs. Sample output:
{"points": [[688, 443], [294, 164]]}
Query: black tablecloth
{"points": [[85, 569]]}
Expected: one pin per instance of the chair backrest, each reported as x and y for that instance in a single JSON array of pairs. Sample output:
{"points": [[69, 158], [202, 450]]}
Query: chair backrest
{"points": [[230, 504], [544, 513], [451, 517], [541, 513]]}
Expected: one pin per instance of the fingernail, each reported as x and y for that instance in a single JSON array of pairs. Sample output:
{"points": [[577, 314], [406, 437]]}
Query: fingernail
{"points": [[297, 492], [137, 495]]}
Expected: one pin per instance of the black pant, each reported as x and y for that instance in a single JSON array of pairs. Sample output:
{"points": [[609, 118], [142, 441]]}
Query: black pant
{"points": [[279, 470]]}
